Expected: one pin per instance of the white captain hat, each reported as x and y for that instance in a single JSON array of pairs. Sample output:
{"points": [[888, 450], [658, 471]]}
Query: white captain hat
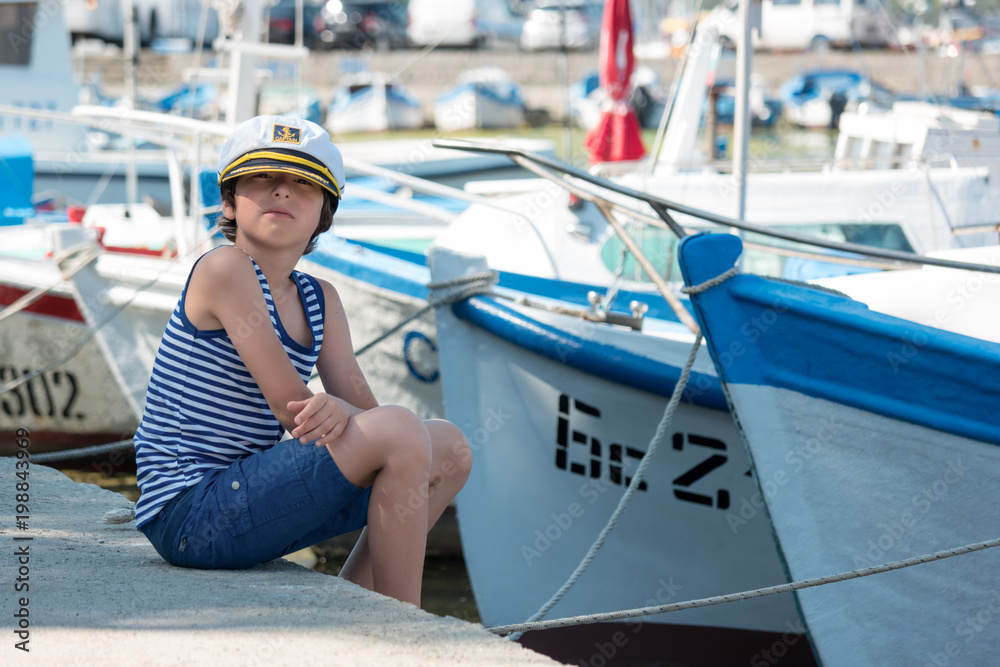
{"points": [[285, 144]]}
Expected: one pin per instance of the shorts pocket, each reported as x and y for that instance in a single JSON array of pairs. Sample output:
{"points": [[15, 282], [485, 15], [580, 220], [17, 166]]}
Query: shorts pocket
{"points": [[232, 499]]}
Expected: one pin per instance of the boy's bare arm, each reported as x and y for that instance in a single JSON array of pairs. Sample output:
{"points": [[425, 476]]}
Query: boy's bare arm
{"points": [[337, 366], [324, 417], [224, 287]]}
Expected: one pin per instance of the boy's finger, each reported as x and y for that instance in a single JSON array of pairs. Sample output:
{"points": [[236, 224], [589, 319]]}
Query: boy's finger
{"points": [[314, 431], [308, 409]]}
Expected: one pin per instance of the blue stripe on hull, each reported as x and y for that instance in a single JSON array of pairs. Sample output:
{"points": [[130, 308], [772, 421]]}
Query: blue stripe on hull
{"points": [[762, 332], [601, 359]]}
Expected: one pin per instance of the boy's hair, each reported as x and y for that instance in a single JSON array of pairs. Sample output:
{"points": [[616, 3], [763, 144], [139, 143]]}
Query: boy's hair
{"points": [[228, 226]]}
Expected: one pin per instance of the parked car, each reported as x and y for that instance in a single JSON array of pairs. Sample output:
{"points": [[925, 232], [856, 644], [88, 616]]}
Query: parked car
{"points": [[543, 26], [281, 21], [354, 25], [499, 22], [451, 23], [157, 19]]}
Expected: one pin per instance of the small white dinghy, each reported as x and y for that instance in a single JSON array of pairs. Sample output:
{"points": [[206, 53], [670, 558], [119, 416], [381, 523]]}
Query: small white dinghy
{"points": [[368, 102], [483, 98]]}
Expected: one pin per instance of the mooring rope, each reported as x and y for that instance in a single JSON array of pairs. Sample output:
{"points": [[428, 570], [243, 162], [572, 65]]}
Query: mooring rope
{"points": [[468, 286], [521, 628], [80, 452], [654, 443], [514, 631]]}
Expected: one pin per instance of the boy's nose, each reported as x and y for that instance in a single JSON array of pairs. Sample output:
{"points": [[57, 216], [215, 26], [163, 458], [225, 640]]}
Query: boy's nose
{"points": [[281, 187]]}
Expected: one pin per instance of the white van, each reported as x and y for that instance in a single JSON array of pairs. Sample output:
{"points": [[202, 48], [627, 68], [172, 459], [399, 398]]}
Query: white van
{"points": [[797, 24], [444, 22]]}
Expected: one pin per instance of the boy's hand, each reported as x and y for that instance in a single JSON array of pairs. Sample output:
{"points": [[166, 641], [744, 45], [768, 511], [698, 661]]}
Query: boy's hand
{"points": [[321, 418]]}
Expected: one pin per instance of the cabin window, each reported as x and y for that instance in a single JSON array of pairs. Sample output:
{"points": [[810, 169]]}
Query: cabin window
{"points": [[833, 3], [660, 247], [777, 3], [17, 28]]}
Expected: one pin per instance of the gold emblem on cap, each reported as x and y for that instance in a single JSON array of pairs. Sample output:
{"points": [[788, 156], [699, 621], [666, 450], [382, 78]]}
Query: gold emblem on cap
{"points": [[286, 134]]}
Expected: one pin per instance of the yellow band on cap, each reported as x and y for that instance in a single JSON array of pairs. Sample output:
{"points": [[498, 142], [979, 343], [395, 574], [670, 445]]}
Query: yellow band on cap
{"points": [[281, 157]]}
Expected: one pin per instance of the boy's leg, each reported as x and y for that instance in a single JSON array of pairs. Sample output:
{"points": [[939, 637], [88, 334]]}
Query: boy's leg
{"points": [[451, 461], [389, 449]]}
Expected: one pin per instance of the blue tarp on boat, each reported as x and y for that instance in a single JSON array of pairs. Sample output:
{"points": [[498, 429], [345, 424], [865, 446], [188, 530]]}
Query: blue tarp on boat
{"points": [[17, 178]]}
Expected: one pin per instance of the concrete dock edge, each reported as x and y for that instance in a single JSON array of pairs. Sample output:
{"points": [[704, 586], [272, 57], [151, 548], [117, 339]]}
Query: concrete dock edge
{"points": [[97, 593]]}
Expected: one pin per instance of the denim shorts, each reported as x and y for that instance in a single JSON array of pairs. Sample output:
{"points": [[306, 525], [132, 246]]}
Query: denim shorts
{"points": [[261, 507]]}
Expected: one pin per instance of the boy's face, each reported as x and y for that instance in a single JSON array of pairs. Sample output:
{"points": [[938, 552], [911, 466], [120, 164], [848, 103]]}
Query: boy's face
{"points": [[275, 208]]}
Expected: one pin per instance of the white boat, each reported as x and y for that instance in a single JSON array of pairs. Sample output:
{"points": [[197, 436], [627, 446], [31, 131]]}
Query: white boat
{"points": [[873, 440], [367, 102], [817, 98], [483, 98]]}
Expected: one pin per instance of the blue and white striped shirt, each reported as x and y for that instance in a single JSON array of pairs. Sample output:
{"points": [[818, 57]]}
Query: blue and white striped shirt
{"points": [[203, 408]]}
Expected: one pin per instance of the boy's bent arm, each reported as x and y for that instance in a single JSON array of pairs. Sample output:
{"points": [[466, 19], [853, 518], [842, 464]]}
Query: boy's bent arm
{"points": [[337, 366], [224, 286]]}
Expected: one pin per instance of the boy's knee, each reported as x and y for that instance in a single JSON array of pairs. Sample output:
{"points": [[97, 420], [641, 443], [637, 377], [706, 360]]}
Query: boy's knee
{"points": [[460, 452], [408, 434]]}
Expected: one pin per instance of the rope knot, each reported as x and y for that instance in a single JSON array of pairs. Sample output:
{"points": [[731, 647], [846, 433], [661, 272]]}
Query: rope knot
{"points": [[711, 282], [458, 289]]}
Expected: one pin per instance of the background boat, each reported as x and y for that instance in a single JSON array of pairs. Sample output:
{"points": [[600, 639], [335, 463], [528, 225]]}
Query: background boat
{"points": [[816, 98], [367, 102], [484, 98]]}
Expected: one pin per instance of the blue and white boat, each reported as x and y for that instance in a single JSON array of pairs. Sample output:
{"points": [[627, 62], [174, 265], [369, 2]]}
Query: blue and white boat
{"points": [[367, 102], [873, 439], [816, 98], [559, 406], [765, 110], [482, 98]]}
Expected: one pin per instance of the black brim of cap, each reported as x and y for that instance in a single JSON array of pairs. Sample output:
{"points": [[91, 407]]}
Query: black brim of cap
{"points": [[258, 165]]}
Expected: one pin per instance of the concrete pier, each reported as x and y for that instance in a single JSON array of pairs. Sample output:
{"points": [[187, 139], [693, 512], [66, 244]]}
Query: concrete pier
{"points": [[93, 593]]}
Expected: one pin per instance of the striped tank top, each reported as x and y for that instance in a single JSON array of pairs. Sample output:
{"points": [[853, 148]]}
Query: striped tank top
{"points": [[203, 408]]}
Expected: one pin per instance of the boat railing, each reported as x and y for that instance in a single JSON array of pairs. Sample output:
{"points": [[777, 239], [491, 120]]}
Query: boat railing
{"points": [[611, 169], [609, 193]]}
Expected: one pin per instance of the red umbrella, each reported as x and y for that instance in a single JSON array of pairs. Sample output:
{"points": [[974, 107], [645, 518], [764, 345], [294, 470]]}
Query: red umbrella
{"points": [[616, 137]]}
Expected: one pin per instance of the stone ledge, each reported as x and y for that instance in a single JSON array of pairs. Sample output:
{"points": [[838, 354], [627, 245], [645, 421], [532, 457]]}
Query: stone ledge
{"points": [[99, 594]]}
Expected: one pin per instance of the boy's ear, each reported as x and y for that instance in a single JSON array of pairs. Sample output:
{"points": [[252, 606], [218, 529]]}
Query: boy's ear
{"points": [[228, 211]]}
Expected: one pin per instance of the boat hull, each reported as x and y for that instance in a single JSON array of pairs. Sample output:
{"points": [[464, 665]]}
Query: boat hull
{"points": [[373, 109], [849, 489], [77, 403], [471, 107], [873, 440]]}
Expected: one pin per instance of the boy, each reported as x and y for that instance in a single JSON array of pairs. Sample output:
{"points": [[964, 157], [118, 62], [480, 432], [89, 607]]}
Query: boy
{"points": [[218, 489]]}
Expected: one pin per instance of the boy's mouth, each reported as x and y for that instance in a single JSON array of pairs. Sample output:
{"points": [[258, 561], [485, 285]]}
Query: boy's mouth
{"points": [[279, 211]]}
